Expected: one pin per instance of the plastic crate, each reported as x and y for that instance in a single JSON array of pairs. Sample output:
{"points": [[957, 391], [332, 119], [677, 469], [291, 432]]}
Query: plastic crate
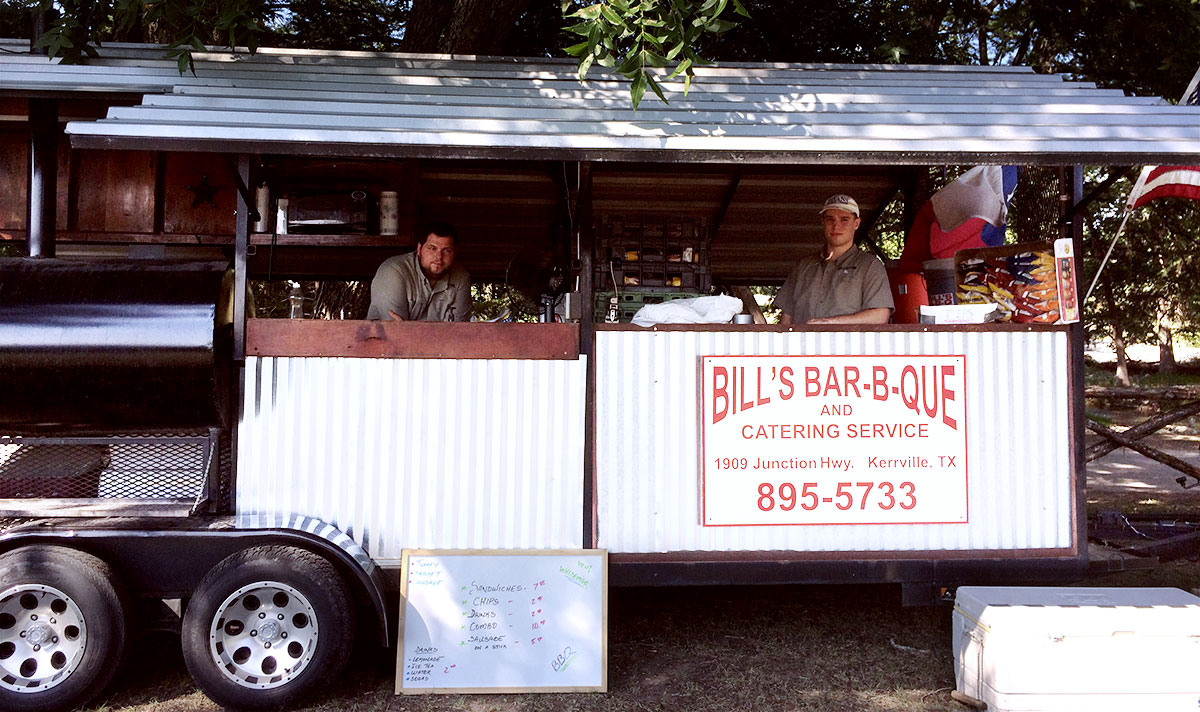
{"points": [[628, 303], [665, 254]]}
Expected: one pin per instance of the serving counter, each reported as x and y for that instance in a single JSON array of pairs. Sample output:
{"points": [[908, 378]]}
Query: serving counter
{"points": [[897, 442], [413, 435]]}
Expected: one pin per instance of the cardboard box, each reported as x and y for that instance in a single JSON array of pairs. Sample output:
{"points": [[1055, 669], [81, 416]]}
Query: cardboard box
{"points": [[1077, 649]]}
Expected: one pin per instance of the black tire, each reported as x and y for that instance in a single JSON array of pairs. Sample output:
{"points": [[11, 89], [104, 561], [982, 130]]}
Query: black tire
{"points": [[62, 628], [265, 626]]}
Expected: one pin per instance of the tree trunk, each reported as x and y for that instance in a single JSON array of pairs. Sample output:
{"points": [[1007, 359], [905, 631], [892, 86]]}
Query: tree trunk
{"points": [[1122, 358], [1166, 349], [1118, 334], [461, 26]]}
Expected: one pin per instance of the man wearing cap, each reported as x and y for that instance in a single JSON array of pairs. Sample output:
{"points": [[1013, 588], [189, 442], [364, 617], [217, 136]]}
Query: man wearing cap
{"points": [[840, 284]]}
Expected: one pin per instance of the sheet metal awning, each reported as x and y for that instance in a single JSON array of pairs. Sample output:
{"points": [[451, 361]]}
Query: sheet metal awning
{"points": [[369, 104]]}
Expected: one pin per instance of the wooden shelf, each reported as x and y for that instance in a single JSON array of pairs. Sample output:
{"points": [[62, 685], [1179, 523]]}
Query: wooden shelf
{"points": [[126, 238], [258, 238], [333, 240]]}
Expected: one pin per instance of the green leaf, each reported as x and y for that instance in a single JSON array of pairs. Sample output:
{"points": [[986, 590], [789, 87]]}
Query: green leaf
{"points": [[719, 26], [680, 68], [591, 12], [578, 49], [651, 42], [654, 60], [585, 64], [657, 90], [637, 89], [612, 16], [740, 9], [631, 65]]}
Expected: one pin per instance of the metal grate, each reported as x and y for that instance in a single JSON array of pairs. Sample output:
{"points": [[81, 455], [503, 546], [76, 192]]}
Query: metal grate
{"points": [[130, 467], [8, 523], [1035, 205]]}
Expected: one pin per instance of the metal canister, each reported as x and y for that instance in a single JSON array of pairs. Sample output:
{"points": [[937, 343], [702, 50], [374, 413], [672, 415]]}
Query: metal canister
{"points": [[262, 205], [389, 212]]}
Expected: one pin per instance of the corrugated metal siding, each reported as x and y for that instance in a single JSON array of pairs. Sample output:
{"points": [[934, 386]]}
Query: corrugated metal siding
{"points": [[291, 100], [417, 453], [1017, 432]]}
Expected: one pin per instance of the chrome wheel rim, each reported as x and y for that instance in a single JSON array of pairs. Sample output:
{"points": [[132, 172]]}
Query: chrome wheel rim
{"points": [[263, 635], [42, 637]]}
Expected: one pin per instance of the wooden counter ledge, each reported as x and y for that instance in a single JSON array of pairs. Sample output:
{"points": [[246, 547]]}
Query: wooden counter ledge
{"points": [[411, 339], [916, 328]]}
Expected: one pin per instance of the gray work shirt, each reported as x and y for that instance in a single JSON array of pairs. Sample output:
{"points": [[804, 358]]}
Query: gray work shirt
{"points": [[819, 288], [400, 286]]}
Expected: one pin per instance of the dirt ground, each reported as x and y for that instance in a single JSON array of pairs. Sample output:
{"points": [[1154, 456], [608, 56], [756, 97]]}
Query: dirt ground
{"points": [[1125, 475]]}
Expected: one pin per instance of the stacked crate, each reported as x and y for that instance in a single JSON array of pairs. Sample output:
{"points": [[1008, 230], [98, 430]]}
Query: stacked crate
{"points": [[647, 260]]}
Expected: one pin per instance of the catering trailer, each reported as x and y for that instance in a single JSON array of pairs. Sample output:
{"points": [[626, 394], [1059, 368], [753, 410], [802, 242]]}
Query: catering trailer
{"points": [[159, 443]]}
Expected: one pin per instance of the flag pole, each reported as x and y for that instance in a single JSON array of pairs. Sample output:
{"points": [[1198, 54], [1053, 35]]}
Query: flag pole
{"points": [[1107, 255]]}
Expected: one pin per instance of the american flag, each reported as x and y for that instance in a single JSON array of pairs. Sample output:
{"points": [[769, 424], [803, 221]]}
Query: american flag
{"points": [[1169, 181]]}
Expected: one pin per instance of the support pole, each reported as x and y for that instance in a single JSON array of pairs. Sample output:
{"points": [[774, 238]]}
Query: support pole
{"points": [[43, 177], [241, 245], [1072, 190]]}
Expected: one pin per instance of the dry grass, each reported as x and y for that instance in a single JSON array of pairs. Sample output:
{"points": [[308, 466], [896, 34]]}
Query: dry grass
{"points": [[827, 648], [824, 648]]}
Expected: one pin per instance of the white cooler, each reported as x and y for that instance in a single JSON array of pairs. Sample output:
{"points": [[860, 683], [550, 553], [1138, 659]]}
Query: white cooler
{"points": [[1085, 649]]}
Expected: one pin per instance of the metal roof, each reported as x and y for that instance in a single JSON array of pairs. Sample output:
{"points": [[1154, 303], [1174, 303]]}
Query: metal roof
{"points": [[375, 104]]}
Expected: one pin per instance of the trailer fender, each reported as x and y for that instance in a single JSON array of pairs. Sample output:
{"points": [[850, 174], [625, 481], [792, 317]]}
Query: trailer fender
{"points": [[344, 550]]}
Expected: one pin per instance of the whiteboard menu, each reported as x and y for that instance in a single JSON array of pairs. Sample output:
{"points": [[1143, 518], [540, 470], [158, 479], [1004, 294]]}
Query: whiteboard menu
{"points": [[503, 621]]}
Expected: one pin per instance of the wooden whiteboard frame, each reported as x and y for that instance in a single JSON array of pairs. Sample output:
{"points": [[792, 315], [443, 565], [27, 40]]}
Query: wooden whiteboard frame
{"points": [[602, 554]]}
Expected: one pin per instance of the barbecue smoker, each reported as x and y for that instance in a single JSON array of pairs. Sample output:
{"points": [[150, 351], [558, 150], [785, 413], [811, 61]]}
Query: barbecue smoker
{"points": [[116, 410]]}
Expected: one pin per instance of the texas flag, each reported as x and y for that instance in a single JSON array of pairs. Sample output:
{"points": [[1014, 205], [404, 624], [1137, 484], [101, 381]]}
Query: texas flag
{"points": [[970, 212]]}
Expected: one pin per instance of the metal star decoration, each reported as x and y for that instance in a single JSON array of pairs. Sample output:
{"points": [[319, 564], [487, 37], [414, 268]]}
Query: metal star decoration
{"points": [[204, 192]]}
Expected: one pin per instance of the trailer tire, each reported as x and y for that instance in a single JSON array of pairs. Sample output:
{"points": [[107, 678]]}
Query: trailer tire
{"points": [[265, 625], [62, 628]]}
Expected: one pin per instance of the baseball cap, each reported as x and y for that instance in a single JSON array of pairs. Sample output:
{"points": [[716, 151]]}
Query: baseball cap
{"points": [[841, 202]]}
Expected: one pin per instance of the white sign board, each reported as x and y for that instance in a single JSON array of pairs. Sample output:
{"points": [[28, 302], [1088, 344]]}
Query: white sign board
{"points": [[833, 440], [503, 621]]}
